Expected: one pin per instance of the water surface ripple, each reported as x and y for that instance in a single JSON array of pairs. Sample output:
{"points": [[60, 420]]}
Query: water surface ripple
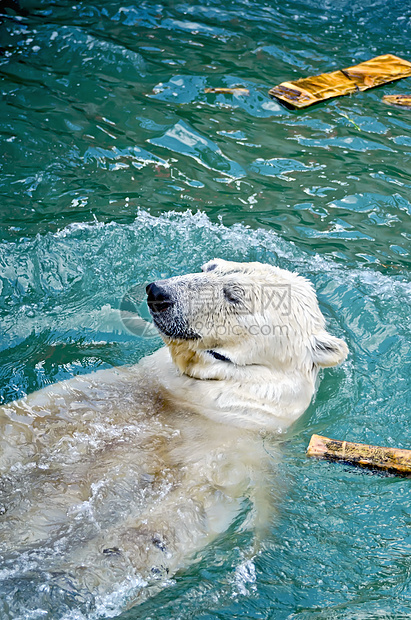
{"points": [[118, 168]]}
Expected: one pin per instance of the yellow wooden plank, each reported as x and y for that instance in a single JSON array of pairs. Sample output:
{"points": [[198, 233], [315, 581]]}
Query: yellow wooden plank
{"points": [[377, 71], [402, 100], [306, 91], [395, 460]]}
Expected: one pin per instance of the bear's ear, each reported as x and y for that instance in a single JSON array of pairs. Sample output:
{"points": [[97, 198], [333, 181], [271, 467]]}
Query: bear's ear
{"points": [[213, 264], [326, 350]]}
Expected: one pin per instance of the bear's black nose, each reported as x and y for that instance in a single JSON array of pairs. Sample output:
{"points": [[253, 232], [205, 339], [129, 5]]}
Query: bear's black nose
{"points": [[158, 299]]}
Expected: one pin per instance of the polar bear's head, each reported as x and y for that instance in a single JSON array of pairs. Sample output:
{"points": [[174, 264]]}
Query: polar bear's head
{"points": [[235, 315]]}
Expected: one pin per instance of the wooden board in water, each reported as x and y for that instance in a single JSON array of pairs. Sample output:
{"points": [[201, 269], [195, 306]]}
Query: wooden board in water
{"points": [[393, 460], [402, 100], [306, 91]]}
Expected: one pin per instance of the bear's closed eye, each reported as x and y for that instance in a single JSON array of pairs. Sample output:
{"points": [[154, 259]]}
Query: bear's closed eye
{"points": [[233, 295]]}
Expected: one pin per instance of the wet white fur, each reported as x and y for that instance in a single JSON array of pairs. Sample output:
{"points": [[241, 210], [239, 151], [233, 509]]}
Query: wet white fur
{"points": [[125, 473], [275, 352]]}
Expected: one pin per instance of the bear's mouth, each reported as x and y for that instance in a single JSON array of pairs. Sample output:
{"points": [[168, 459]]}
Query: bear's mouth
{"points": [[219, 356], [174, 329]]}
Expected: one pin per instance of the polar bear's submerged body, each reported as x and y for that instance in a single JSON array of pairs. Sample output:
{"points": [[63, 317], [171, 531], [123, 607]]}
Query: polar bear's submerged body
{"points": [[120, 476]]}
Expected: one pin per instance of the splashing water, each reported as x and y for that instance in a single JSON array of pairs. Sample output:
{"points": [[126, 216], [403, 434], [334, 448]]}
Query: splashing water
{"points": [[119, 169]]}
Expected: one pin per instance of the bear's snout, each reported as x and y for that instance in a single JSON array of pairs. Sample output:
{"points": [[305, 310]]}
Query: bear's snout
{"points": [[158, 299]]}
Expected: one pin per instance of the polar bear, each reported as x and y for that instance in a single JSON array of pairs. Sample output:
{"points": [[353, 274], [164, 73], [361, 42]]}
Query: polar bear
{"points": [[115, 479]]}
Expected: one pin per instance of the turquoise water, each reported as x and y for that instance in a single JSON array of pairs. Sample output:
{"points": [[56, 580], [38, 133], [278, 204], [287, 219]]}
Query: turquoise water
{"points": [[118, 169]]}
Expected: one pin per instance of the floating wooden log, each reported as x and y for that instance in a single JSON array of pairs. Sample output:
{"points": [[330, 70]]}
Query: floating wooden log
{"points": [[306, 91], [402, 100], [393, 460], [229, 91]]}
